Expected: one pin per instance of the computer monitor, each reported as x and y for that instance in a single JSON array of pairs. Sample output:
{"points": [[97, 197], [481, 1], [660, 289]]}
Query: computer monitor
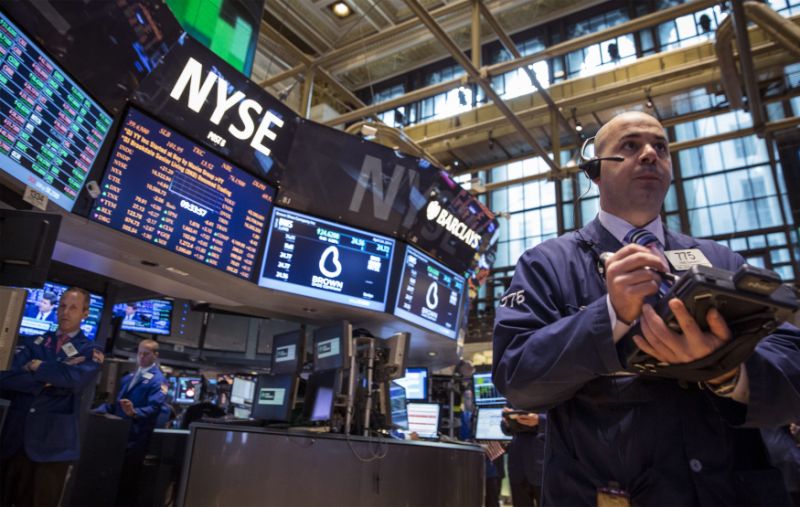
{"points": [[333, 346], [27, 240], [242, 412], [40, 311], [274, 397], [243, 390], [423, 419], [397, 348], [484, 390], [487, 424], [321, 390], [189, 390], [287, 352], [398, 410], [415, 383], [172, 387], [152, 316]]}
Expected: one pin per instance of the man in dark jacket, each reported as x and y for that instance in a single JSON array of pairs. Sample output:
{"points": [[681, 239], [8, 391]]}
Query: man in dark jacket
{"points": [[525, 455], [619, 436], [48, 377]]}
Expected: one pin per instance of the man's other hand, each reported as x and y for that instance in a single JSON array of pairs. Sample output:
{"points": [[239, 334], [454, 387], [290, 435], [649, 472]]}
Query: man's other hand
{"points": [[692, 343], [33, 365], [629, 282], [127, 407]]}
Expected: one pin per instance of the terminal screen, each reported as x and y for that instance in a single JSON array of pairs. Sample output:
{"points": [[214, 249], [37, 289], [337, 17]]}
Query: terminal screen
{"points": [[485, 391], [429, 294], [415, 383], [150, 316], [320, 259], [41, 306], [423, 419], [165, 189], [487, 426], [243, 391], [50, 130], [188, 390]]}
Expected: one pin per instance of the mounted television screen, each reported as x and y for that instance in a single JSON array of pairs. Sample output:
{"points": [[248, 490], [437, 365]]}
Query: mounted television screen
{"points": [[243, 390], [50, 129], [40, 311], [189, 390], [487, 425], [165, 189], [332, 346], [149, 316], [485, 391], [324, 260], [429, 294], [423, 419], [415, 383], [287, 352], [274, 397], [398, 406]]}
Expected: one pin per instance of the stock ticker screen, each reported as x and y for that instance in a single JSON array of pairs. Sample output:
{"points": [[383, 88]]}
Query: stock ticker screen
{"points": [[50, 130], [320, 259], [429, 294], [165, 189]]}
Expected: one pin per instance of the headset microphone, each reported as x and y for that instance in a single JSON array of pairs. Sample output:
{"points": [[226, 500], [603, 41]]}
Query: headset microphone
{"points": [[591, 166]]}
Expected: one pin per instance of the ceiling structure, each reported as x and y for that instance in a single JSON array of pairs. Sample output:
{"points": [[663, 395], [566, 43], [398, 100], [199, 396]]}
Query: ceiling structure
{"points": [[302, 42]]}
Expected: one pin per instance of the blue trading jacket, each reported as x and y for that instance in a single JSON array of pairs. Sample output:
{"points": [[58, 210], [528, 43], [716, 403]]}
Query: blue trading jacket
{"points": [[663, 442], [147, 396], [45, 405]]}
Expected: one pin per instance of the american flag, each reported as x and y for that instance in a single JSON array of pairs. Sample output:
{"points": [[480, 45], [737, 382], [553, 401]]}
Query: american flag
{"points": [[493, 449]]}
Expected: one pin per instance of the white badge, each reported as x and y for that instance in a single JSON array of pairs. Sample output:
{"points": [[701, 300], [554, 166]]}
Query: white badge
{"points": [[38, 340], [147, 375], [69, 349], [682, 260]]}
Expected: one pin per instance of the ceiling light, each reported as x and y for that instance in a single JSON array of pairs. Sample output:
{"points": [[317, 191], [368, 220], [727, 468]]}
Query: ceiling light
{"points": [[341, 9], [432, 353]]}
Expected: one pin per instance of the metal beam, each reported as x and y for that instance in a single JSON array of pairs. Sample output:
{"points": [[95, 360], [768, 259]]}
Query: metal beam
{"points": [[746, 63], [459, 56], [512, 48], [503, 67]]}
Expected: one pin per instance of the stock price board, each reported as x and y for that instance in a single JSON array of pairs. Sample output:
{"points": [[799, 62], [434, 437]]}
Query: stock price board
{"points": [[165, 189]]}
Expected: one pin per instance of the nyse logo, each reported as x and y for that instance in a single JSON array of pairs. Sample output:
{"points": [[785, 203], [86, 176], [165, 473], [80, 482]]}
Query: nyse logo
{"points": [[199, 90], [452, 224]]}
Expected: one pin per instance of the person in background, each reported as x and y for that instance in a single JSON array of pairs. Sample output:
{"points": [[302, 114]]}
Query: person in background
{"points": [[49, 375], [525, 455], [130, 318], [45, 309], [141, 396], [617, 437]]}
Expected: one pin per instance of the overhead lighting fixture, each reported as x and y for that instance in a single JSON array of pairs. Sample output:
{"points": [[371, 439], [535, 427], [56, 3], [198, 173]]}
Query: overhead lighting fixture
{"points": [[578, 125], [340, 9]]}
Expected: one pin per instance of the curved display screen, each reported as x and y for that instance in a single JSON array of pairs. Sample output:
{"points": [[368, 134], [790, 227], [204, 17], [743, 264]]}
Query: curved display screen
{"points": [[163, 188], [50, 130], [429, 294], [320, 259]]}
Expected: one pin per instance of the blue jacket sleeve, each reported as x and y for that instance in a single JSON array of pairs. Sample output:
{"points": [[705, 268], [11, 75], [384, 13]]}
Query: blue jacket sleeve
{"points": [[155, 399], [22, 355], [20, 381], [74, 377], [544, 350], [106, 408]]}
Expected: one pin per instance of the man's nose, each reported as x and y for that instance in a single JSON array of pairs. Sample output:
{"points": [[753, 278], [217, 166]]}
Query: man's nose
{"points": [[648, 154]]}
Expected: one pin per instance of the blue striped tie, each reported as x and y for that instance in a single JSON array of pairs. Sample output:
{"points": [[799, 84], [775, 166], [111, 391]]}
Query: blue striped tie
{"points": [[647, 239]]}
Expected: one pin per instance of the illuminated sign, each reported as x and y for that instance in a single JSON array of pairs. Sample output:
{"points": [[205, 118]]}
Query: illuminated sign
{"points": [[453, 225]]}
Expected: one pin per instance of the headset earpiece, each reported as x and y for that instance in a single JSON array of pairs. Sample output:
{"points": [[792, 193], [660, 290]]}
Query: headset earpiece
{"points": [[592, 168]]}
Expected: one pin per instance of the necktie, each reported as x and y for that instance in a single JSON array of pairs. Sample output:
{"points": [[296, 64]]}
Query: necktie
{"points": [[60, 341], [649, 240]]}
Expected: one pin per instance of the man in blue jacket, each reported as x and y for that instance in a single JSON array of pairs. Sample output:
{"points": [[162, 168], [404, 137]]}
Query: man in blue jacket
{"points": [[141, 395], [614, 436], [48, 377]]}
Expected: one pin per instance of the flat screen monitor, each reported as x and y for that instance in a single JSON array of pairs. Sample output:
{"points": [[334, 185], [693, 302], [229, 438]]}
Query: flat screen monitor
{"points": [[484, 390], [189, 390], [423, 419], [274, 397], [242, 412], [172, 387], [429, 294], [51, 131], [40, 311], [287, 352], [243, 390], [165, 189], [332, 346], [487, 424], [415, 383], [324, 260], [27, 240], [153, 316], [397, 406], [321, 390]]}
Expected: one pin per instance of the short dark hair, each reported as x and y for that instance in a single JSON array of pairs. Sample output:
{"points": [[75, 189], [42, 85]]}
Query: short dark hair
{"points": [[50, 296]]}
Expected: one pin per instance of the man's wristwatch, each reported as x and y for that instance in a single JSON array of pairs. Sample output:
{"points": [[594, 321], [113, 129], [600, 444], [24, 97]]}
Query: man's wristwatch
{"points": [[724, 389]]}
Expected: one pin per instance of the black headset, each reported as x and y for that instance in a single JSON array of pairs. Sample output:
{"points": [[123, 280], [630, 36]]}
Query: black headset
{"points": [[591, 166]]}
